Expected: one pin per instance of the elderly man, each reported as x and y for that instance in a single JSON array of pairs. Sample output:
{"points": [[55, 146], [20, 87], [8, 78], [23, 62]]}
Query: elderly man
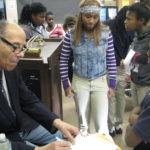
{"points": [[16, 97]]}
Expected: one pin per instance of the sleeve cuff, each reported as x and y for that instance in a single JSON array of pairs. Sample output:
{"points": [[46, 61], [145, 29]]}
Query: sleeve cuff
{"points": [[66, 84], [112, 83]]}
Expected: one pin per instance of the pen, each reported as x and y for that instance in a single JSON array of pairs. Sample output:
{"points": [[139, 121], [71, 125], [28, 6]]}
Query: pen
{"points": [[57, 138]]}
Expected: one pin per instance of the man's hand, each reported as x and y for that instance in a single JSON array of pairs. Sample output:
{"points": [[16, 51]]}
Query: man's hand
{"points": [[68, 130], [57, 145], [69, 92], [111, 93]]}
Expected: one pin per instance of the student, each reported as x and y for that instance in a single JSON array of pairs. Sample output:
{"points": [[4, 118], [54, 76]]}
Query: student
{"points": [[137, 18], [32, 20], [93, 52], [138, 133], [69, 23], [53, 30], [16, 97], [122, 40]]}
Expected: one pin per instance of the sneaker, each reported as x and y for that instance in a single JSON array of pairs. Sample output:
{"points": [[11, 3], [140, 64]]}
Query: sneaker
{"points": [[118, 129], [112, 131]]}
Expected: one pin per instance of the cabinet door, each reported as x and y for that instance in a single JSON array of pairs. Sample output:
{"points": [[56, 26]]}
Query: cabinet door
{"points": [[37, 77]]}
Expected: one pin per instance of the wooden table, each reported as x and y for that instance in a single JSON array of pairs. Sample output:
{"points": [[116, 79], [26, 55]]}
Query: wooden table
{"points": [[42, 75]]}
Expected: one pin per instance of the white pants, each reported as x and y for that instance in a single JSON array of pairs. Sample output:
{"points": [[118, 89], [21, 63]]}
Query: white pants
{"points": [[91, 101]]}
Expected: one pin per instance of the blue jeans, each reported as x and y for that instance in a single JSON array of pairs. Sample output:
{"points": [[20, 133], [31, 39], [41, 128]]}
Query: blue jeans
{"points": [[39, 136]]}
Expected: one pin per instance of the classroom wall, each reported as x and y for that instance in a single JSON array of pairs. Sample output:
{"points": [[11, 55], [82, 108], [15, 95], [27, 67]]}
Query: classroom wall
{"points": [[63, 7]]}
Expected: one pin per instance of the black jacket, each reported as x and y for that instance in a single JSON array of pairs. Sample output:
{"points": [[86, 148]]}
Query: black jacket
{"points": [[141, 44], [22, 99]]}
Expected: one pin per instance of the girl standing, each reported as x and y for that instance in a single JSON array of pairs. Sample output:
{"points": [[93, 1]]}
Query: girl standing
{"points": [[93, 52]]}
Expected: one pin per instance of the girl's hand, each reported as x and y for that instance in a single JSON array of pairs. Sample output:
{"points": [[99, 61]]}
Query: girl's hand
{"points": [[111, 93], [69, 92]]}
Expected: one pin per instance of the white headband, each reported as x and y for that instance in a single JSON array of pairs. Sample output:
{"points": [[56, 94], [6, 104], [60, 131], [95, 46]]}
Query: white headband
{"points": [[90, 8]]}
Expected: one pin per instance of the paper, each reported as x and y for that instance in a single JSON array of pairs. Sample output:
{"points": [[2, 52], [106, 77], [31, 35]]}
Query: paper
{"points": [[127, 61], [94, 141], [11, 10], [129, 57], [2, 138]]}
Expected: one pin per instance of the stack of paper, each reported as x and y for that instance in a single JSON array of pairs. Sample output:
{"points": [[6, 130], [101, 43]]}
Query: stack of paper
{"points": [[94, 142]]}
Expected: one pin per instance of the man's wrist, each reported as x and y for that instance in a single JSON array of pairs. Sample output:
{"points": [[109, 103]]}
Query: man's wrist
{"points": [[56, 123], [37, 148]]}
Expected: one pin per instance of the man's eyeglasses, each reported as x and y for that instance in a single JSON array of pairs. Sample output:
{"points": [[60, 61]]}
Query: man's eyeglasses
{"points": [[16, 49]]}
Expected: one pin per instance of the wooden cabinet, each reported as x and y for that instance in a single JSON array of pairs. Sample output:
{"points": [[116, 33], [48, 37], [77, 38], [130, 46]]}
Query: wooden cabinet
{"points": [[42, 75]]}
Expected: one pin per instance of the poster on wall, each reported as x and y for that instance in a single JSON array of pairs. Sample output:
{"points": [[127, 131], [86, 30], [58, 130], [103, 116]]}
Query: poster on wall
{"points": [[11, 11], [112, 12], [103, 14]]}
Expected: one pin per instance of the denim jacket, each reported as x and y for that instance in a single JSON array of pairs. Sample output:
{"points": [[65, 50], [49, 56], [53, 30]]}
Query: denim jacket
{"points": [[90, 59]]}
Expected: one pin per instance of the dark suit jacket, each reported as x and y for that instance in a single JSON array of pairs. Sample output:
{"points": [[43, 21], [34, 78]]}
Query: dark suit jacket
{"points": [[22, 99]]}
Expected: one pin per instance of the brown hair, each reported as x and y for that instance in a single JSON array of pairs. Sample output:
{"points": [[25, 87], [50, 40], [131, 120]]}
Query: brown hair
{"points": [[69, 21], [79, 28]]}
